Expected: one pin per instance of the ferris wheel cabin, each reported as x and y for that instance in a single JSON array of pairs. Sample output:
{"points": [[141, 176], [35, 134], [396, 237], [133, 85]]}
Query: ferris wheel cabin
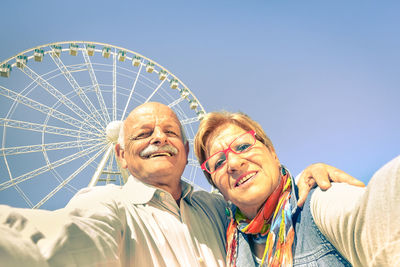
{"points": [[73, 49], [184, 93], [5, 70], [56, 50], [193, 104], [90, 49], [162, 75], [38, 55], [106, 52], [174, 83], [121, 55], [150, 67], [21, 61], [136, 61]]}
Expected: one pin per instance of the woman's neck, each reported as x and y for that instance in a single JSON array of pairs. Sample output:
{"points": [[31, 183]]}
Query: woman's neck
{"points": [[251, 211]]}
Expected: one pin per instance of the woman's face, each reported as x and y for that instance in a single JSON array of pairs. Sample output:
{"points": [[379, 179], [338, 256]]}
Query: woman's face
{"points": [[247, 179]]}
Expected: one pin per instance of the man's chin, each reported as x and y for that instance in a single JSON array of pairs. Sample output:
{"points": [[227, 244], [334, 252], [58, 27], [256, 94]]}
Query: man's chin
{"points": [[161, 166]]}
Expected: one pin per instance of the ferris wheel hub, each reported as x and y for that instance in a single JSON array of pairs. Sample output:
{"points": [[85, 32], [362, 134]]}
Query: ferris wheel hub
{"points": [[112, 130]]}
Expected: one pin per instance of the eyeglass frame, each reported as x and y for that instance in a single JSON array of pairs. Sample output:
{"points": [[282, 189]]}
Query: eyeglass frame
{"points": [[225, 151]]}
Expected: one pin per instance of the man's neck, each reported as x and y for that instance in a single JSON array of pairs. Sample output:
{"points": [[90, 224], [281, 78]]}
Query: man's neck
{"points": [[174, 189]]}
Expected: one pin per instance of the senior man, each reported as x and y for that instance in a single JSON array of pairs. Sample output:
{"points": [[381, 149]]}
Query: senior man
{"points": [[155, 219]]}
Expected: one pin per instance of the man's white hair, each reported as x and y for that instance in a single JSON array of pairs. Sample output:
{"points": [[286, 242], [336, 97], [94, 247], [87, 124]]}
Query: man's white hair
{"points": [[121, 136]]}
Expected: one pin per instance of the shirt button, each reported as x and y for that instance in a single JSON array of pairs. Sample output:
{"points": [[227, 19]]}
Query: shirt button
{"points": [[162, 194], [200, 259]]}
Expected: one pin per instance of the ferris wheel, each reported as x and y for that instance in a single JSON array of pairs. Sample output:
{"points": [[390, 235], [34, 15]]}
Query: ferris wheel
{"points": [[61, 105]]}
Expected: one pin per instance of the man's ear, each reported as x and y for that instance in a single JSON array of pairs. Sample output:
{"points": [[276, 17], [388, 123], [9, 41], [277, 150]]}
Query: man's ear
{"points": [[121, 156]]}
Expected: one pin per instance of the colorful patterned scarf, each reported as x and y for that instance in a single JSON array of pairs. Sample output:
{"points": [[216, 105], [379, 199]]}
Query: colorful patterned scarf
{"points": [[272, 225]]}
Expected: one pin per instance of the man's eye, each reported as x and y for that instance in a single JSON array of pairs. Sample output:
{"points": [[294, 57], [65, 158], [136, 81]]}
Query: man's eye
{"points": [[242, 147], [171, 133], [142, 135]]}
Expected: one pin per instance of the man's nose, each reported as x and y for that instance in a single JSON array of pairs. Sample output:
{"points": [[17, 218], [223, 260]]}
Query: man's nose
{"points": [[158, 137], [234, 162]]}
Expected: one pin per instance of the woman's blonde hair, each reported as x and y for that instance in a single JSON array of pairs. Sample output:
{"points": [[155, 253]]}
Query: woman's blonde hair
{"points": [[214, 120]]}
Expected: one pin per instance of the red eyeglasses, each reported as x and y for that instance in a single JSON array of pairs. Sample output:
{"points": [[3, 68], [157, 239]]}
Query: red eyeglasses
{"points": [[241, 144]]}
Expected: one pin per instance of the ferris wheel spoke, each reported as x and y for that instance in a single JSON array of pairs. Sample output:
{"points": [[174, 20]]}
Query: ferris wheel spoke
{"points": [[114, 88], [45, 168], [68, 179], [100, 167], [24, 197], [176, 102], [193, 163], [42, 108], [78, 90], [58, 95], [190, 120], [110, 165], [7, 151], [96, 87], [132, 90], [47, 128], [55, 173], [191, 142], [155, 90]]}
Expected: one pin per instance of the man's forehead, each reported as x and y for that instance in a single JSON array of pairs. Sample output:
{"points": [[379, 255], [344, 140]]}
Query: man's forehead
{"points": [[155, 109], [147, 117], [151, 120]]}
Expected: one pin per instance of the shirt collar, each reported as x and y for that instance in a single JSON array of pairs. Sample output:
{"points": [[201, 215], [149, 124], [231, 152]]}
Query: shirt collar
{"points": [[139, 192]]}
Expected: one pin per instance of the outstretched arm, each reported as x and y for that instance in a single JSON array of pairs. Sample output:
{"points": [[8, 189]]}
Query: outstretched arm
{"points": [[18, 240], [87, 232], [322, 174], [363, 223]]}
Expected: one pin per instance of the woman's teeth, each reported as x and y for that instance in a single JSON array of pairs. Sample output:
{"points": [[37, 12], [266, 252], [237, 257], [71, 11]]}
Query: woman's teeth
{"points": [[244, 179]]}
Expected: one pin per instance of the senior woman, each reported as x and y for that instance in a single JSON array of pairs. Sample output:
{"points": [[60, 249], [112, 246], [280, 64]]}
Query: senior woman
{"points": [[266, 226]]}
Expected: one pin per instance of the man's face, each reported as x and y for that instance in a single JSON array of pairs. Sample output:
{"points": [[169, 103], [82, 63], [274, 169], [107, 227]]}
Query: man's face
{"points": [[154, 151]]}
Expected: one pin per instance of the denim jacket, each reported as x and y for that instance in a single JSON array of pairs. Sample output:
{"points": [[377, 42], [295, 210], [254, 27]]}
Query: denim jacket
{"points": [[310, 248]]}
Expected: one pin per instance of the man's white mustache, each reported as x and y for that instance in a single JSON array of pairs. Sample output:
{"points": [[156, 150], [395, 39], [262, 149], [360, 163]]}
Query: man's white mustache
{"points": [[151, 149]]}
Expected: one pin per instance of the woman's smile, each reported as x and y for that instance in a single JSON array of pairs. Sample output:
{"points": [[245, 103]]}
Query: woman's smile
{"points": [[243, 179]]}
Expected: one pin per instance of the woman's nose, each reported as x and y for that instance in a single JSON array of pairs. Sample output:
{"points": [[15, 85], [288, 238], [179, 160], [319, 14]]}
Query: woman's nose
{"points": [[234, 162]]}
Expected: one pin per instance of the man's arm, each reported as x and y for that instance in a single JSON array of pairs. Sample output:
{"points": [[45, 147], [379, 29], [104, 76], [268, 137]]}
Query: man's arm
{"points": [[17, 251], [18, 240], [87, 232], [321, 174], [91, 233]]}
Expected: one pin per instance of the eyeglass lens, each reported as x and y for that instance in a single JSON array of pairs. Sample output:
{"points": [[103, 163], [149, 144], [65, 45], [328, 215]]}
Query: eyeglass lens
{"points": [[241, 144]]}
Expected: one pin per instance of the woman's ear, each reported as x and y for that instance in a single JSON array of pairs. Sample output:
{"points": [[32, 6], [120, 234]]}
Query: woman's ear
{"points": [[274, 155]]}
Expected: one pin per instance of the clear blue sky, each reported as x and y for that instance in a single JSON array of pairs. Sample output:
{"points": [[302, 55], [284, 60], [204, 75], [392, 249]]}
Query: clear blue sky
{"points": [[322, 77]]}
